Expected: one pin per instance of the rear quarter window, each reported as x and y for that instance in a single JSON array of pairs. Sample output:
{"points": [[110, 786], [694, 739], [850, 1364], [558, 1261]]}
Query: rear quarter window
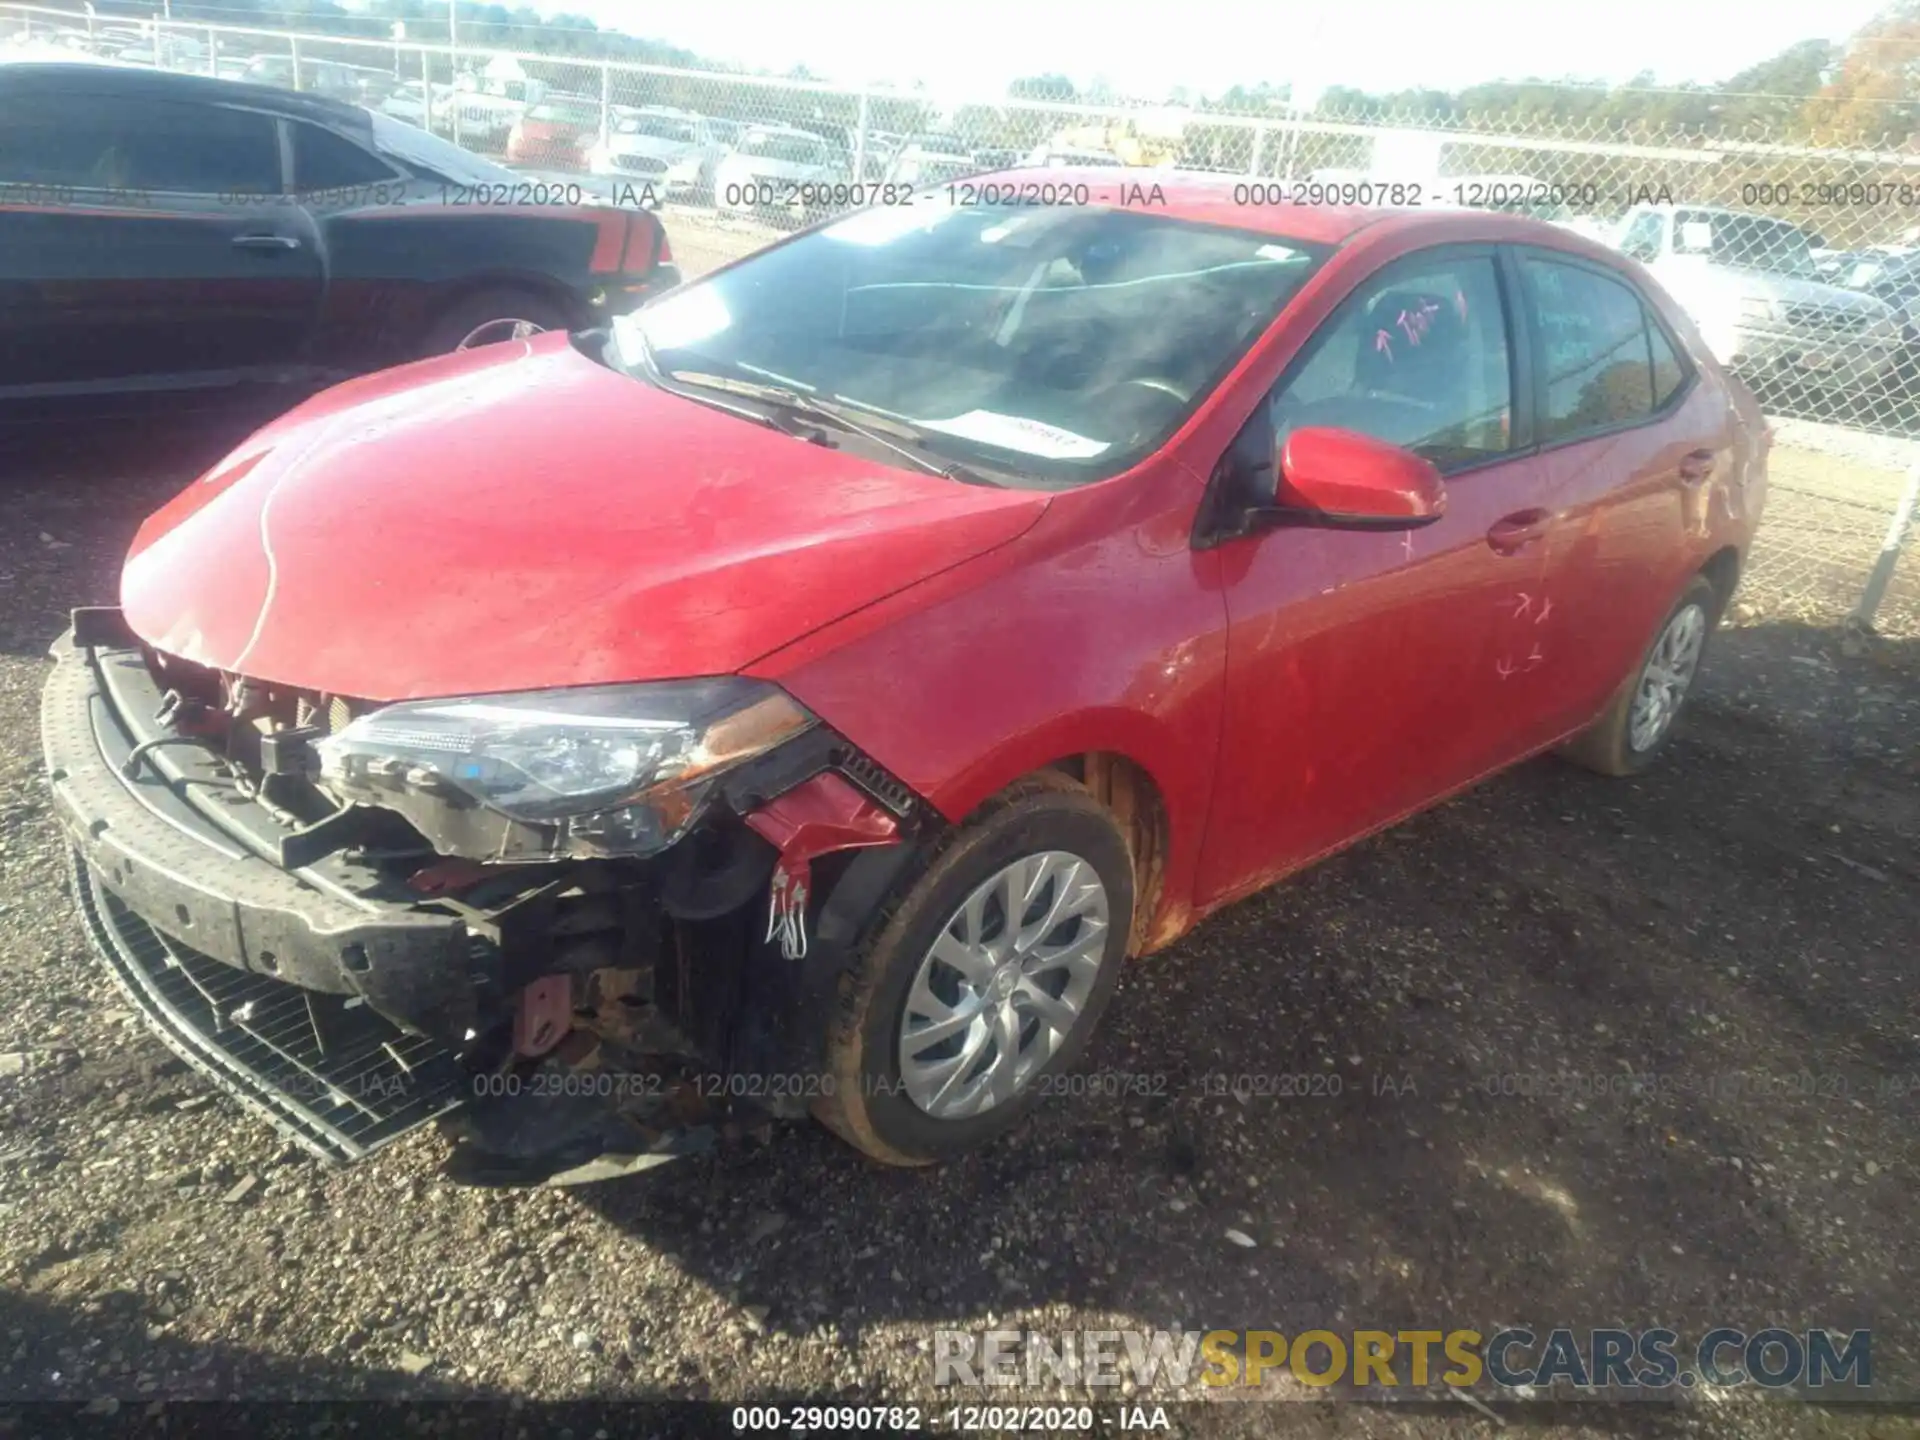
{"points": [[1594, 342], [323, 160]]}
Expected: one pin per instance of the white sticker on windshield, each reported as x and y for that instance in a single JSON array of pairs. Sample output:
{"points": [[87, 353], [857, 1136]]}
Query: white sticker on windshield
{"points": [[1016, 432], [1696, 235]]}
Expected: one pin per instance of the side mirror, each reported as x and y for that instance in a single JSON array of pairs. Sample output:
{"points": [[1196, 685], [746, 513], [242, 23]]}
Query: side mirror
{"points": [[1340, 480]]}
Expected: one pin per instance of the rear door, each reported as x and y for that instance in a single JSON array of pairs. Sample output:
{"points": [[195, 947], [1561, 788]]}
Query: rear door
{"points": [[1631, 442], [147, 244]]}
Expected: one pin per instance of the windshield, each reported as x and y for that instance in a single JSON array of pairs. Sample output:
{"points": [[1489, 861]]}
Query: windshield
{"points": [[573, 112], [658, 127], [1048, 347], [797, 148], [1752, 242], [432, 156]]}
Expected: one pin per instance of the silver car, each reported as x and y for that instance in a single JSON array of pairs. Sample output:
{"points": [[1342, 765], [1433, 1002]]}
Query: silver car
{"points": [[675, 149], [778, 170]]}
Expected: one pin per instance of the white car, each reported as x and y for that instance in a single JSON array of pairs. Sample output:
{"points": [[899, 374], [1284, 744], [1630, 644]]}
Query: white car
{"points": [[169, 52], [410, 104], [917, 166], [1751, 284], [675, 148], [779, 170], [1053, 156]]}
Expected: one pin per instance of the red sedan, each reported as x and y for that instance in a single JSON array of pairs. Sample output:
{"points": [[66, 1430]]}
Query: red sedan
{"points": [[805, 695], [557, 133]]}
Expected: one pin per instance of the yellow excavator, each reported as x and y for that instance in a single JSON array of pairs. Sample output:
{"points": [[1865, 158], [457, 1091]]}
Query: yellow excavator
{"points": [[1120, 140]]}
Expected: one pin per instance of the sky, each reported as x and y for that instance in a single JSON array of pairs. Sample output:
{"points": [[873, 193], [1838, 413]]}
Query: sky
{"points": [[1207, 45]]}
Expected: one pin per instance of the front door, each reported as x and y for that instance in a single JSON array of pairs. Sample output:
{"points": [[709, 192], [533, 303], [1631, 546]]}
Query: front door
{"points": [[147, 245], [1369, 673]]}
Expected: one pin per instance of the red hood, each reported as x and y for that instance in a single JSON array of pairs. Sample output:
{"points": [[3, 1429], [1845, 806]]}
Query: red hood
{"points": [[520, 516]]}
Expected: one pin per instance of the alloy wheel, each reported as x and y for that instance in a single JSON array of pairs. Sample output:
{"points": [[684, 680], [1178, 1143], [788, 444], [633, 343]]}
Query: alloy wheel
{"points": [[492, 331], [1668, 674], [1004, 985]]}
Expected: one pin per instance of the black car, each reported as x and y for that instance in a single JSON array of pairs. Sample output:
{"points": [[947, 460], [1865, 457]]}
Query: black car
{"points": [[166, 236]]}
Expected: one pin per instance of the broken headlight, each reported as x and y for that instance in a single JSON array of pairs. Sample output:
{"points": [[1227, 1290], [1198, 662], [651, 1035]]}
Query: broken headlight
{"points": [[582, 773]]}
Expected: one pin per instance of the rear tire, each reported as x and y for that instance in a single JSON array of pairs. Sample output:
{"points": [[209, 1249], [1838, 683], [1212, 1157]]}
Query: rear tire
{"points": [[488, 316], [1638, 722], [931, 1059]]}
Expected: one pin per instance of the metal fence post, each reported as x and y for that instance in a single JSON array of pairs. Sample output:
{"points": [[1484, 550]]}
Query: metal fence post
{"points": [[606, 103], [1882, 573], [860, 137], [1259, 150], [426, 90], [293, 47], [453, 74]]}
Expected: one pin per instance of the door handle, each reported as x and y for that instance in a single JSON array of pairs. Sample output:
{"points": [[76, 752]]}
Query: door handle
{"points": [[1696, 467], [266, 242], [1513, 533]]}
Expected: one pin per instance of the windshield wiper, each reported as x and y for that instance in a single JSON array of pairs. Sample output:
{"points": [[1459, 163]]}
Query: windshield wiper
{"points": [[799, 402], [651, 372]]}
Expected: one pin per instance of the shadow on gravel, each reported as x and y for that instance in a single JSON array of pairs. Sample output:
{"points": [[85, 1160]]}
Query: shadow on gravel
{"points": [[73, 502], [101, 1349], [1566, 1051]]}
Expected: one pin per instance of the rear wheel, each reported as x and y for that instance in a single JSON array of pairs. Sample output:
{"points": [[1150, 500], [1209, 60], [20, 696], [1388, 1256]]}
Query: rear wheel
{"points": [[987, 975], [490, 316], [1636, 726]]}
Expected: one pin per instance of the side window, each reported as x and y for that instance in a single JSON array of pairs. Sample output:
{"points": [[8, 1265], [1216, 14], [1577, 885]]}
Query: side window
{"points": [[1416, 357], [1668, 373], [1594, 345], [1642, 240], [114, 143], [323, 160]]}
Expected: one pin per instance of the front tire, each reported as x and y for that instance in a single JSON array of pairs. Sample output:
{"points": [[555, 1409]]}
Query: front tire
{"points": [[957, 1010], [1638, 723]]}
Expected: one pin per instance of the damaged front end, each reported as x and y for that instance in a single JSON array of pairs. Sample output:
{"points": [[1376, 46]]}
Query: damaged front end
{"points": [[585, 930]]}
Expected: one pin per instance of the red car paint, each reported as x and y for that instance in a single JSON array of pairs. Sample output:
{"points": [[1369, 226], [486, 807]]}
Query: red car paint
{"points": [[441, 508], [539, 141], [519, 517]]}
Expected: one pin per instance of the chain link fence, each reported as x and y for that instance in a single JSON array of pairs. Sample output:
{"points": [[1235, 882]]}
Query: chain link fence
{"points": [[1800, 263]]}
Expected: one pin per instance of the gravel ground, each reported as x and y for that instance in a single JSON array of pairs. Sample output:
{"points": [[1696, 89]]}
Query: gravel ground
{"points": [[1718, 951]]}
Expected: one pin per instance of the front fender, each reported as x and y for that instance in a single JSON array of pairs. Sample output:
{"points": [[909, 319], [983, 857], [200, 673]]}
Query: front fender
{"points": [[1087, 638]]}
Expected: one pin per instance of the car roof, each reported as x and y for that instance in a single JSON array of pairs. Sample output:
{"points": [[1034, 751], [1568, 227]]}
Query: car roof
{"points": [[1210, 200], [60, 77]]}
